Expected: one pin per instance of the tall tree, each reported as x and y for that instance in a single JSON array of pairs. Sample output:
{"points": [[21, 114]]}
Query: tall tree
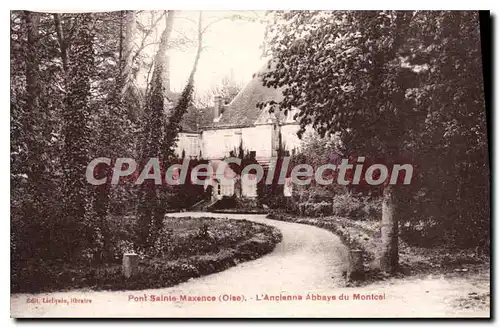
{"points": [[363, 74], [35, 146], [175, 116], [116, 131], [77, 134], [227, 88], [150, 207]]}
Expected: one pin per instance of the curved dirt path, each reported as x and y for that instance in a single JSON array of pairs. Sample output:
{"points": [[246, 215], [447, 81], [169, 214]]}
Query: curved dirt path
{"points": [[308, 262]]}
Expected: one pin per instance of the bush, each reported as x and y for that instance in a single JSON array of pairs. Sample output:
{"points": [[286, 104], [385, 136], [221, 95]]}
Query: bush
{"points": [[315, 209], [434, 217], [187, 248], [356, 207], [271, 195], [317, 202], [184, 196], [227, 202], [428, 233]]}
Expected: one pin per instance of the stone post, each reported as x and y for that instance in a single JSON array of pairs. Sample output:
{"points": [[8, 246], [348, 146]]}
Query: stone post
{"points": [[130, 264], [356, 268]]}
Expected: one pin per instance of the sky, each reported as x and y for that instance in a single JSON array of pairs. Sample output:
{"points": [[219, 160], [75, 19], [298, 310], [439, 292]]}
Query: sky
{"points": [[232, 47]]}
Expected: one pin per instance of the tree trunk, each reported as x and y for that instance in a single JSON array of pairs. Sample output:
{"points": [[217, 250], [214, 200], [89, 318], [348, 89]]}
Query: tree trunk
{"points": [[388, 256], [129, 96], [63, 46], [152, 202], [161, 58], [32, 71], [127, 49], [176, 113], [199, 49]]}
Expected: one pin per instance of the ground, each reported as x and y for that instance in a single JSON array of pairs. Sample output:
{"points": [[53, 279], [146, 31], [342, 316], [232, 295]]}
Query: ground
{"points": [[187, 248], [309, 261]]}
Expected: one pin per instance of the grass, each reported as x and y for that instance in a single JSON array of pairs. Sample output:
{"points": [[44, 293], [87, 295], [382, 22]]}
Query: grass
{"points": [[194, 247]]}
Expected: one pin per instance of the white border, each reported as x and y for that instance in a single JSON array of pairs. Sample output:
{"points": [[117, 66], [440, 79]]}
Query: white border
{"points": [[96, 5], [99, 5]]}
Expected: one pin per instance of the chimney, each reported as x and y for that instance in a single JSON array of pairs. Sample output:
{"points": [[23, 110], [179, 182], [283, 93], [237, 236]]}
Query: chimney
{"points": [[217, 107]]}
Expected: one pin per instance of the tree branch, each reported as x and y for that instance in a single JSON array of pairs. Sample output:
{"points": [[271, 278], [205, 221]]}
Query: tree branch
{"points": [[143, 41]]}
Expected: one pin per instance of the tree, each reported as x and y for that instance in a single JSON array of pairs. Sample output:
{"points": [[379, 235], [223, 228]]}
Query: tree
{"points": [[116, 114], [72, 110], [227, 89], [77, 134], [37, 138], [32, 166], [160, 132], [364, 75], [151, 208], [272, 194]]}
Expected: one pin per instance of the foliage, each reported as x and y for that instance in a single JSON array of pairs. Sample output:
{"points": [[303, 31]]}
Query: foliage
{"points": [[160, 137], [357, 207], [315, 209], [73, 99], [150, 206], [227, 89], [398, 86], [422, 259], [186, 195], [225, 203], [271, 194], [36, 142], [187, 248]]}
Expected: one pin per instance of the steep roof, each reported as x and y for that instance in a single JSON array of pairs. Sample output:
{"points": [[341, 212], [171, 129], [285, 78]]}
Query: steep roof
{"points": [[242, 111]]}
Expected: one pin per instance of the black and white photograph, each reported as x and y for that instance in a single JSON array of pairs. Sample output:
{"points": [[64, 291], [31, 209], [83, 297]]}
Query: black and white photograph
{"points": [[250, 164]]}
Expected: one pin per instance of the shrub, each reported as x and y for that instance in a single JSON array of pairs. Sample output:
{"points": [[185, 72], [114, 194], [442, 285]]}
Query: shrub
{"points": [[316, 202], [356, 207], [315, 209], [187, 247], [184, 196], [271, 195], [426, 233], [226, 202]]}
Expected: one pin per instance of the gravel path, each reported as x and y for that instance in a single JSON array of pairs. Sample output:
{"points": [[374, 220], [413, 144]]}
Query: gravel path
{"points": [[308, 262]]}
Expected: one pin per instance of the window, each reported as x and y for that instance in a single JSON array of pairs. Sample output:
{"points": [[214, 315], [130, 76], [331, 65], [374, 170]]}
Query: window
{"points": [[193, 146], [228, 188], [249, 186]]}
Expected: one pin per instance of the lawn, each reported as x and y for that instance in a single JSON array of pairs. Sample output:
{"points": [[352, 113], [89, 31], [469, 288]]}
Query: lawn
{"points": [[192, 247]]}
